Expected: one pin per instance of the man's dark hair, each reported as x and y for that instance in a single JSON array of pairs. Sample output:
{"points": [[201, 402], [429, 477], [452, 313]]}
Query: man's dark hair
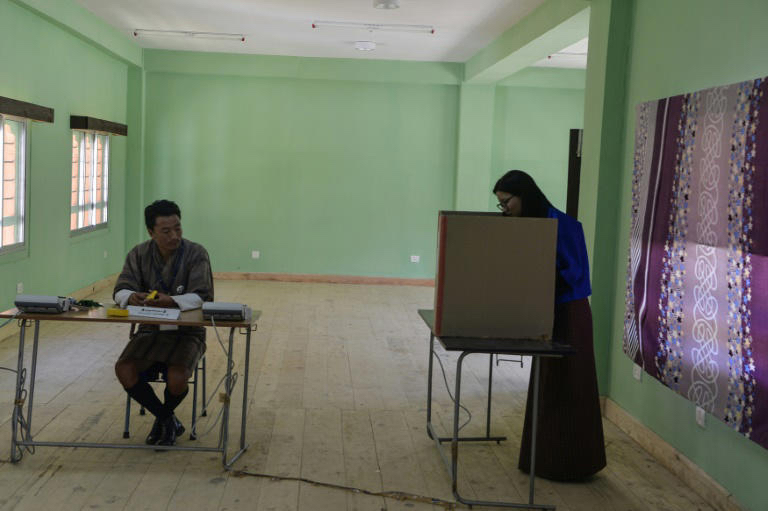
{"points": [[520, 184], [160, 208]]}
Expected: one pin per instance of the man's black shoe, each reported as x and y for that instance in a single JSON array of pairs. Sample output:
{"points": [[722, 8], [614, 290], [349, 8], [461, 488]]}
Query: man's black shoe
{"points": [[179, 426], [169, 431], [155, 433]]}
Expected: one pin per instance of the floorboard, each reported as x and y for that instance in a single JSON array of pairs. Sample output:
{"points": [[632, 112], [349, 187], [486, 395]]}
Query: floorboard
{"points": [[337, 394]]}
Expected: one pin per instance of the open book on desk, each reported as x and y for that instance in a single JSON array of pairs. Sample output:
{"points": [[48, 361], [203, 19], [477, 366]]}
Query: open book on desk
{"points": [[153, 312]]}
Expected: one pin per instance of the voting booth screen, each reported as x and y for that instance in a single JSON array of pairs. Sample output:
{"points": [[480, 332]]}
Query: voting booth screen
{"points": [[495, 276]]}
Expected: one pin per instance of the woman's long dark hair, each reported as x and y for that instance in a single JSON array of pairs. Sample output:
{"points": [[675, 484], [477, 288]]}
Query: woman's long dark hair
{"points": [[520, 184]]}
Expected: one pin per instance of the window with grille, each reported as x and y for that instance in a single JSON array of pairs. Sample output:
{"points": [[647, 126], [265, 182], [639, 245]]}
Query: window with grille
{"points": [[90, 178], [13, 141]]}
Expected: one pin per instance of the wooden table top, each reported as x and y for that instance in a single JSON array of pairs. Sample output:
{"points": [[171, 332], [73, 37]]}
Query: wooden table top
{"points": [[99, 315]]}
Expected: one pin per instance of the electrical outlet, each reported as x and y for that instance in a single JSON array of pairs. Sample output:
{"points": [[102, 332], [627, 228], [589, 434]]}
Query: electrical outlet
{"points": [[701, 417], [105, 254], [255, 254], [415, 258], [637, 372], [19, 288]]}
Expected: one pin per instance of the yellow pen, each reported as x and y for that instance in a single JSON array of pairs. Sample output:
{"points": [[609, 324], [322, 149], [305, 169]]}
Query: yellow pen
{"points": [[152, 295]]}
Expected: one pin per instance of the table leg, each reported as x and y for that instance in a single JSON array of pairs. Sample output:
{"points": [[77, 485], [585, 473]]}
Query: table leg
{"points": [[452, 464], [245, 388], [193, 429], [205, 396], [490, 384], [534, 424], [17, 403], [228, 395], [455, 440], [33, 371], [429, 383]]}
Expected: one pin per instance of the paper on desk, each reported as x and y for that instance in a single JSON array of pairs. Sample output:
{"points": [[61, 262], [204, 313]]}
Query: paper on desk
{"points": [[153, 312]]}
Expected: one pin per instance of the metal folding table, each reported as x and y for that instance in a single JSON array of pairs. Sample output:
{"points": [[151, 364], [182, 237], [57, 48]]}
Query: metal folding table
{"points": [[21, 439], [467, 346]]}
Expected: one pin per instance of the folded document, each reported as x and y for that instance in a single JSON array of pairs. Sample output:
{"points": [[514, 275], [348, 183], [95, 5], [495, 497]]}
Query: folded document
{"points": [[153, 312]]}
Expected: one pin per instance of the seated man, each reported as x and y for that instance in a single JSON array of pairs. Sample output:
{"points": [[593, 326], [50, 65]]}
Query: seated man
{"points": [[180, 271]]}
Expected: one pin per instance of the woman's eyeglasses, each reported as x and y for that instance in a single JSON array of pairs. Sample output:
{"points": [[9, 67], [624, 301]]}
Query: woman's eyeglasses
{"points": [[502, 205]]}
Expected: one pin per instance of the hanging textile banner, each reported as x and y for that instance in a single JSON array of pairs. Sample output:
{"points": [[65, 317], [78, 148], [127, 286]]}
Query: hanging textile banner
{"points": [[697, 279]]}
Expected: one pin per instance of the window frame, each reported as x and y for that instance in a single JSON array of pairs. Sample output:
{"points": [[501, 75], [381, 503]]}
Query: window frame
{"points": [[22, 184], [80, 210]]}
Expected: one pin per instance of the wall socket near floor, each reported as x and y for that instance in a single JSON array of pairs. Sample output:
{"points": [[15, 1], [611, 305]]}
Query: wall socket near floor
{"points": [[415, 258], [255, 254], [637, 372], [701, 417], [105, 254], [19, 288]]}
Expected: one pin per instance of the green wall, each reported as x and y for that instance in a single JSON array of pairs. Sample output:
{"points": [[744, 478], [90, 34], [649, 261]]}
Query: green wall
{"points": [[46, 64], [531, 132], [81, 23], [547, 77], [339, 166], [308, 68], [321, 176], [324, 165], [476, 113], [604, 101], [678, 47], [134, 175], [339, 176]]}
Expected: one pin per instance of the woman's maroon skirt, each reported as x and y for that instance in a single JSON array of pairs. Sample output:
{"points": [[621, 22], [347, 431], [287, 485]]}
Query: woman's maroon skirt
{"points": [[569, 443]]}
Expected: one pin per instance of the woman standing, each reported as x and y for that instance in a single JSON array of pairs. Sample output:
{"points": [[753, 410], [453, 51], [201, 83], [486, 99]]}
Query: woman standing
{"points": [[570, 438]]}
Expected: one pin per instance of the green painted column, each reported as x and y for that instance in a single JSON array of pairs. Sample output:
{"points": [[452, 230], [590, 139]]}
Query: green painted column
{"points": [[474, 146], [599, 197], [552, 26], [134, 179]]}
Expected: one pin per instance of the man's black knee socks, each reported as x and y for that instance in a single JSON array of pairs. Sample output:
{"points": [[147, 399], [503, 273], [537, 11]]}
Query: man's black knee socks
{"points": [[143, 394], [172, 401]]}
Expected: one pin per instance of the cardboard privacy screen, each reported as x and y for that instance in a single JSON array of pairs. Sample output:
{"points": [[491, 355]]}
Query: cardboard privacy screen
{"points": [[495, 276]]}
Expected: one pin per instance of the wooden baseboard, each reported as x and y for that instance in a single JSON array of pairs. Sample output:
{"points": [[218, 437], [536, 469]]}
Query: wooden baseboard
{"points": [[11, 329], [691, 474], [328, 279]]}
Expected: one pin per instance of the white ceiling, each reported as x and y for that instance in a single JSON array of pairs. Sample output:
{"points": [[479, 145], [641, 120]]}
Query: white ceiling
{"points": [[284, 27]]}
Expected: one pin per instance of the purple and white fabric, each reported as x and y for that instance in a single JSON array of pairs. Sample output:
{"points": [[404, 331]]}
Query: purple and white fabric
{"points": [[697, 278]]}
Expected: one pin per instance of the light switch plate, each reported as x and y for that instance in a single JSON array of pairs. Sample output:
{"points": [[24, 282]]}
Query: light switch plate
{"points": [[701, 417]]}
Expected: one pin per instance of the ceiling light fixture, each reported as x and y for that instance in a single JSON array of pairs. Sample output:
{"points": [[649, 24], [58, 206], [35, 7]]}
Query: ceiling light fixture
{"points": [[386, 4], [568, 54], [384, 27], [143, 32], [365, 45]]}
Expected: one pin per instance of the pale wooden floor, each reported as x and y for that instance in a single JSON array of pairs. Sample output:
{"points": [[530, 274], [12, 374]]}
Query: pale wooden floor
{"points": [[337, 394]]}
